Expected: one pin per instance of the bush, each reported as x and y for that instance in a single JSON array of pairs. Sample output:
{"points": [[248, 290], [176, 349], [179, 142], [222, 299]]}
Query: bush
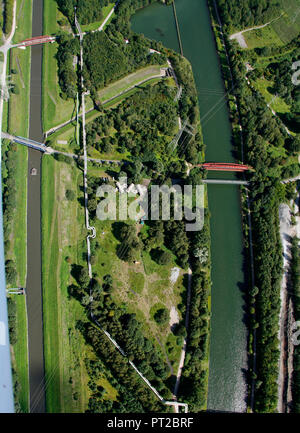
{"points": [[11, 273], [163, 257], [162, 316], [70, 195]]}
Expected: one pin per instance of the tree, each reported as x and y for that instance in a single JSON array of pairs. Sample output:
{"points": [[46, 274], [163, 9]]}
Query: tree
{"points": [[162, 316], [163, 257], [180, 330], [70, 195], [83, 277], [11, 273]]}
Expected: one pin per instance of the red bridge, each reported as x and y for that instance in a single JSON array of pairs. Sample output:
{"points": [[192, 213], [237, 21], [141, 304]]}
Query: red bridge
{"points": [[37, 40], [223, 166]]}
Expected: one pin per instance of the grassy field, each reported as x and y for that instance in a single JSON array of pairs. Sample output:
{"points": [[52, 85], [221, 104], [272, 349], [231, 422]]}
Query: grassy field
{"points": [[20, 353], [18, 123], [55, 109], [144, 287], [281, 30], [288, 26], [63, 242], [276, 103], [262, 37]]}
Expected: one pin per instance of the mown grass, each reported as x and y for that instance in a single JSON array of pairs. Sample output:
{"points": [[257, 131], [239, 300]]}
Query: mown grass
{"points": [[20, 350], [18, 124], [49, 283], [63, 244]]}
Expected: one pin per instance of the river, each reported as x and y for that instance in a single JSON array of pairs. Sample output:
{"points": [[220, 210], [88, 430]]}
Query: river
{"points": [[34, 280], [228, 341]]}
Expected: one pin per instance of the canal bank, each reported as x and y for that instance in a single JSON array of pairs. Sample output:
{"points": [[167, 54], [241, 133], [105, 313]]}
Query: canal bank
{"points": [[34, 281], [228, 343]]}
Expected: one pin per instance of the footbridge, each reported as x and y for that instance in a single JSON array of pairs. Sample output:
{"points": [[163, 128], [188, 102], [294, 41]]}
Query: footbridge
{"points": [[226, 182], [27, 142], [36, 41], [224, 166]]}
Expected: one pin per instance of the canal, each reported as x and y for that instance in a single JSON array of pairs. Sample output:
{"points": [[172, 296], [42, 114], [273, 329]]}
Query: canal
{"points": [[34, 280], [228, 343]]}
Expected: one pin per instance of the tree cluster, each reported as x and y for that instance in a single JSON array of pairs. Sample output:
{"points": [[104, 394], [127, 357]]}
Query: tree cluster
{"points": [[247, 13], [68, 50], [12, 320], [143, 125], [9, 158], [8, 16], [195, 372], [87, 11], [295, 284]]}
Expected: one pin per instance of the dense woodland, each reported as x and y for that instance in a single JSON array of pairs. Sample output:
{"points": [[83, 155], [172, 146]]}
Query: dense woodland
{"points": [[9, 158], [144, 125], [87, 11], [238, 15], [68, 50]]}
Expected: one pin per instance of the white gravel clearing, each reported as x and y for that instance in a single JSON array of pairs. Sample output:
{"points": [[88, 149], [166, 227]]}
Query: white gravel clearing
{"points": [[174, 316], [174, 275]]}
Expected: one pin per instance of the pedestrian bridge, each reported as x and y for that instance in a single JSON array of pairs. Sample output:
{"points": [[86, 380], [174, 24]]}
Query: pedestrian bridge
{"points": [[225, 182], [26, 142]]}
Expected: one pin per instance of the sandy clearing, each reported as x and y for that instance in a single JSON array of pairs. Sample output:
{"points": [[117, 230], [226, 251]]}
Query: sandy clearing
{"points": [[174, 316]]}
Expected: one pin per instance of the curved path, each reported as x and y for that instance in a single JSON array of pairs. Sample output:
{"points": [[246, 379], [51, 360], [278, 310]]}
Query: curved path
{"points": [[239, 35]]}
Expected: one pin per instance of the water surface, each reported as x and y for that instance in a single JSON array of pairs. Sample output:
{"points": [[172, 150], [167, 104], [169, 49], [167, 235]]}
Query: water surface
{"points": [[34, 269]]}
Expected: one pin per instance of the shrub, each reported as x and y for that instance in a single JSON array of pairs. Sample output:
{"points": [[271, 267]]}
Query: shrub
{"points": [[162, 316]]}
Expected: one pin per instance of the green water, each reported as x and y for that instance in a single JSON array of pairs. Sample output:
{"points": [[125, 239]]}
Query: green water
{"points": [[228, 351]]}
